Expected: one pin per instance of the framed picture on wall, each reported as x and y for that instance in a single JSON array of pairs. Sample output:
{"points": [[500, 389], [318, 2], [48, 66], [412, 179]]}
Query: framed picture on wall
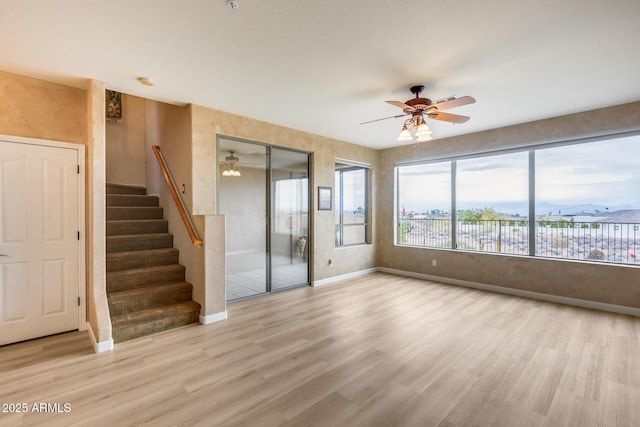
{"points": [[325, 198], [114, 104]]}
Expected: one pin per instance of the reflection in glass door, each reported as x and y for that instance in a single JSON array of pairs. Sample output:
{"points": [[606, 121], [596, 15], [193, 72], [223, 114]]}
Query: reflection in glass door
{"points": [[289, 219], [242, 198], [264, 194]]}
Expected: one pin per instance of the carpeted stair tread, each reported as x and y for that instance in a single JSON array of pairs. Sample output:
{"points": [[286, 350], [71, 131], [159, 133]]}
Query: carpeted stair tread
{"points": [[146, 288], [131, 300], [125, 189], [132, 200], [143, 316], [134, 212], [153, 320], [136, 226], [145, 276], [127, 260], [139, 242]]}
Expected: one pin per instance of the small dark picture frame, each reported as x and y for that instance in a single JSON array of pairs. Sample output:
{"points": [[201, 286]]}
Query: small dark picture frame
{"points": [[325, 199]]}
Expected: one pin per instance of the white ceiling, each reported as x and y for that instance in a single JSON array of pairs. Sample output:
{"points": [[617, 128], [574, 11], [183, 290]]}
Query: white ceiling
{"points": [[325, 66]]}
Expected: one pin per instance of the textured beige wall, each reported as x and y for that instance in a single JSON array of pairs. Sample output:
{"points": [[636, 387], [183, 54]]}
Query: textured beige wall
{"points": [[214, 265], [126, 144], [168, 126], [97, 305], [588, 281], [40, 109], [245, 199], [153, 176]]}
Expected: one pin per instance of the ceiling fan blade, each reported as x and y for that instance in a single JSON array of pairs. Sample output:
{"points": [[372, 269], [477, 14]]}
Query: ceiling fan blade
{"points": [[401, 105], [249, 164], [447, 117], [384, 118], [452, 103]]}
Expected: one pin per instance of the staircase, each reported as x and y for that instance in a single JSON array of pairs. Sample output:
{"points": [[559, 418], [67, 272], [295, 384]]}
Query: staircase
{"points": [[145, 284]]}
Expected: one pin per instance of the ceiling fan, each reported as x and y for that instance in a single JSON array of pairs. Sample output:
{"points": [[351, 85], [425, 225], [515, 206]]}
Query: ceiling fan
{"points": [[419, 108]]}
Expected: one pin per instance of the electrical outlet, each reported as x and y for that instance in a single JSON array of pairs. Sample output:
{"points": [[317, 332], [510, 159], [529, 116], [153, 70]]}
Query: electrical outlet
{"points": [[434, 262]]}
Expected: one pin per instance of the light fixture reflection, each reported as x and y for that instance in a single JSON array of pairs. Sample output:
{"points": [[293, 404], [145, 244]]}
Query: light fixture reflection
{"points": [[230, 167], [231, 171]]}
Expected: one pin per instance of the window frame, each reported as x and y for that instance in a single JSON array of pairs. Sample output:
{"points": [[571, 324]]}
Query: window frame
{"points": [[531, 220], [350, 166]]}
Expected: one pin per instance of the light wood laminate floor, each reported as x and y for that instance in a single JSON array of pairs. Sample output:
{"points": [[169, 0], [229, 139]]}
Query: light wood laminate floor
{"points": [[379, 350]]}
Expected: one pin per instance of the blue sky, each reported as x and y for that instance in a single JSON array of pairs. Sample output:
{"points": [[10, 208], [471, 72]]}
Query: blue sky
{"points": [[605, 173]]}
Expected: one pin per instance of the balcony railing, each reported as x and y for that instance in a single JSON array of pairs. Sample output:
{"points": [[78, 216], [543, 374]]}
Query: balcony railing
{"points": [[594, 241]]}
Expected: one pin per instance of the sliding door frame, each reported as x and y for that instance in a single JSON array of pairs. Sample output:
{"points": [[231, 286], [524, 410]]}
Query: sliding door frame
{"points": [[269, 210]]}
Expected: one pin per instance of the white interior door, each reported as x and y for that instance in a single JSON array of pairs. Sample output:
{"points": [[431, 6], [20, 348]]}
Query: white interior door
{"points": [[39, 247]]}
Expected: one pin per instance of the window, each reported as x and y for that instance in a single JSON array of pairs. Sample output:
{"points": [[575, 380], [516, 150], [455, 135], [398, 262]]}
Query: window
{"points": [[424, 201], [352, 213], [572, 201], [290, 214], [492, 206], [588, 201]]}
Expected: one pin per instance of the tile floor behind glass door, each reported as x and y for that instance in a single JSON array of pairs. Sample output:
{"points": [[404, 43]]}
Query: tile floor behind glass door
{"points": [[286, 273]]}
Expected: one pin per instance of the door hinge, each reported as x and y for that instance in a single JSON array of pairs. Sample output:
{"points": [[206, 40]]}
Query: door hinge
{"points": [[78, 301], [78, 168], [78, 235]]}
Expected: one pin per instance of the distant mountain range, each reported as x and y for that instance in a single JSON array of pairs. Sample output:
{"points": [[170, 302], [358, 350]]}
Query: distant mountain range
{"points": [[544, 208]]}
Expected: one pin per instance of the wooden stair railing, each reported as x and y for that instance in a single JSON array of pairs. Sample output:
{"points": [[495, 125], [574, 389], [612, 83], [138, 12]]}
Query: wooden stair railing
{"points": [[191, 230]]}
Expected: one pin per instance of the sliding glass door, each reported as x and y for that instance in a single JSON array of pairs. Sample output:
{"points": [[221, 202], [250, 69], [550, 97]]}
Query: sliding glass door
{"points": [[241, 197], [290, 219], [264, 194]]}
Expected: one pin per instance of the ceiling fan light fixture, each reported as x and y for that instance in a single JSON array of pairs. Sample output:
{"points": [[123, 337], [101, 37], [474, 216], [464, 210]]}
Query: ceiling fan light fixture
{"points": [[405, 135], [423, 130], [420, 128], [418, 107]]}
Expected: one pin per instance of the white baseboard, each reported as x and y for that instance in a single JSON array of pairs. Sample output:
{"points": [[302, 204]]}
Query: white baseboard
{"points": [[518, 292], [212, 318], [342, 277], [99, 347]]}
